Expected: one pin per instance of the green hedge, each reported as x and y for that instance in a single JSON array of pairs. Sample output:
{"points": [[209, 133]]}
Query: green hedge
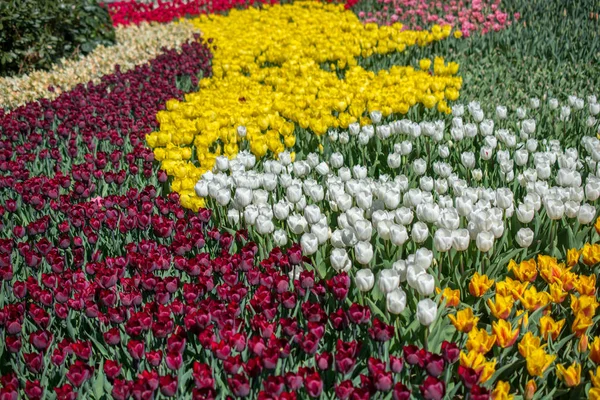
{"points": [[34, 34]]}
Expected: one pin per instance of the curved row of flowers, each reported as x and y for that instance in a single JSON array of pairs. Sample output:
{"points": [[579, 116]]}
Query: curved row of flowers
{"points": [[136, 45]]}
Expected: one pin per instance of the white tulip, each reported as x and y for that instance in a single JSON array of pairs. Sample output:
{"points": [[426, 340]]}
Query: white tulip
{"points": [[321, 231], [485, 241], [336, 239], [281, 210], [443, 151], [364, 199], [419, 166], [423, 258], [426, 311], [555, 209], [294, 193], [419, 232], [401, 266], [363, 251], [460, 239], [398, 234], [336, 160], [340, 261], [442, 240], [354, 128], [241, 131], [425, 284], [396, 301], [309, 243], [364, 280], [312, 214], [233, 216], [344, 138], [586, 214], [571, 209], [524, 237], [394, 160], [501, 112], [264, 225], [223, 196], [280, 238], [201, 188], [525, 213], [388, 281], [297, 224], [468, 159], [592, 190], [553, 104]]}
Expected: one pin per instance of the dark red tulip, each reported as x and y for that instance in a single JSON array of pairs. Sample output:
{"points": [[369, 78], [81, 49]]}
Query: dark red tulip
{"points": [[112, 369], [78, 373], [168, 385], [432, 389], [401, 392], [313, 384], [239, 385], [450, 351], [344, 390], [468, 376], [434, 365], [33, 390], [414, 355], [396, 364]]}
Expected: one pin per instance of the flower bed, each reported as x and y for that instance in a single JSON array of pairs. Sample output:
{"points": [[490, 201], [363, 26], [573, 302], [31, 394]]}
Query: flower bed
{"points": [[301, 206]]}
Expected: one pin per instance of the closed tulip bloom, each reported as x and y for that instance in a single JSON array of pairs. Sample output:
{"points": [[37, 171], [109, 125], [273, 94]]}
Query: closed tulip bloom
{"points": [[400, 266], [461, 239], [364, 199], [339, 260], [394, 160], [223, 196], [419, 232], [294, 193], [396, 301], [419, 166], [442, 240], [321, 231], [412, 274], [388, 280], [398, 234], [426, 311], [297, 224], [468, 159], [485, 241], [425, 284], [364, 280], [586, 214], [309, 243], [555, 209], [423, 258], [281, 210], [363, 251], [592, 190], [501, 112], [280, 238], [524, 237], [312, 214]]}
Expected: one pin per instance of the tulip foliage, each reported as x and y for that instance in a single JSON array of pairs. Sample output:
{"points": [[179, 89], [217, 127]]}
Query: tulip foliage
{"points": [[295, 200]]}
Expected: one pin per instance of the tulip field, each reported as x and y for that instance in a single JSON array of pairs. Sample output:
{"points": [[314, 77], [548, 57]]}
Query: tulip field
{"points": [[263, 199]]}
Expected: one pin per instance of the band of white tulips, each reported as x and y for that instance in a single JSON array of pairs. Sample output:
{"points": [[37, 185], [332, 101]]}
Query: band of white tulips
{"points": [[362, 215], [135, 45]]}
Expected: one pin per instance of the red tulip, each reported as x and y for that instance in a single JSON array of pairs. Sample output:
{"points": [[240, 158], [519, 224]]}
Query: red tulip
{"points": [[450, 352], [33, 390], [401, 392], [168, 385], [78, 373], [313, 384], [344, 390], [432, 388]]}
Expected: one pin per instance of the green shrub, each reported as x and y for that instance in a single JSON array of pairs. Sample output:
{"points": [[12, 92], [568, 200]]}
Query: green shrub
{"points": [[34, 34]]}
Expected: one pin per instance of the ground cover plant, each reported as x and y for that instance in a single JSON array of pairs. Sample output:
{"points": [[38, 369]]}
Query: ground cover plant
{"points": [[353, 200]]}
